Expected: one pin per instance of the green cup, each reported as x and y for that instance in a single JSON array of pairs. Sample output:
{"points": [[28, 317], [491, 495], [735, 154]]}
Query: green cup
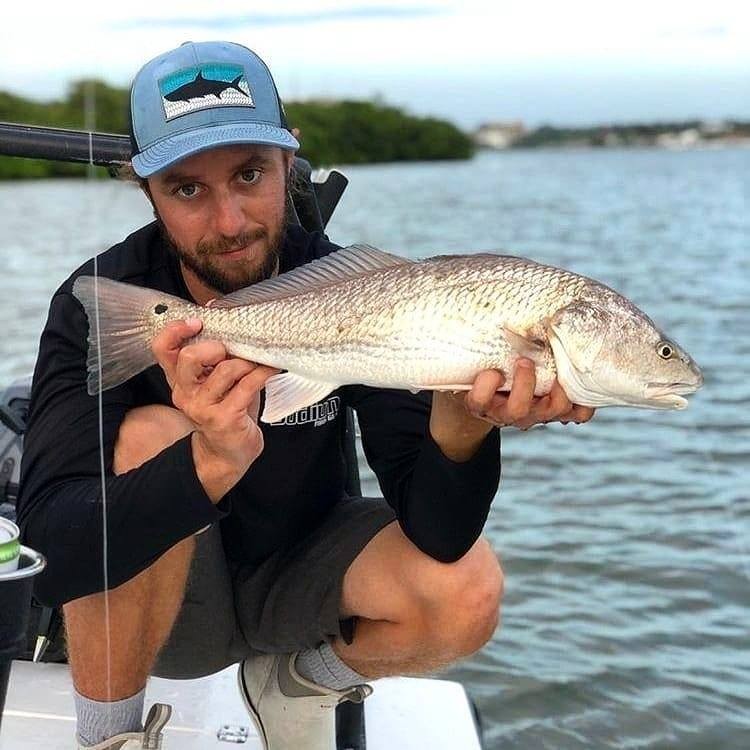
{"points": [[10, 547]]}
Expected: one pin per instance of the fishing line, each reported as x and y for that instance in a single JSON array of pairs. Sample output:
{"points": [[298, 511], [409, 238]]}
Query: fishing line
{"points": [[115, 192], [105, 545], [100, 419]]}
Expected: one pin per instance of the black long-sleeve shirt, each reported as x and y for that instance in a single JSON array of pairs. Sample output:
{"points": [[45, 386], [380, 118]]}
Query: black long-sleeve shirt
{"points": [[441, 505]]}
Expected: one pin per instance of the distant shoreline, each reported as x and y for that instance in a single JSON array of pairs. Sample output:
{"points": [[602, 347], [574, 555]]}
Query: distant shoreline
{"points": [[721, 146], [679, 136]]}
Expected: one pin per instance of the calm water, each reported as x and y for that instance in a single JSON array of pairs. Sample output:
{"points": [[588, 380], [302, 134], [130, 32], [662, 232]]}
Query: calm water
{"points": [[625, 542]]}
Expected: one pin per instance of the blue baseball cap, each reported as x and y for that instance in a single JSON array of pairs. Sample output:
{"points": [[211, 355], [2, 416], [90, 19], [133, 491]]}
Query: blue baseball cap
{"points": [[199, 96]]}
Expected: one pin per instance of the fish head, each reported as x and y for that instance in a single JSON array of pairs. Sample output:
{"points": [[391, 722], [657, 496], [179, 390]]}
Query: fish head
{"points": [[608, 353]]}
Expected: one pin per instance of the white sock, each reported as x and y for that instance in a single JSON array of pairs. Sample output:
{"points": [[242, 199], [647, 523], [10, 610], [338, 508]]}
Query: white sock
{"points": [[323, 667], [101, 720]]}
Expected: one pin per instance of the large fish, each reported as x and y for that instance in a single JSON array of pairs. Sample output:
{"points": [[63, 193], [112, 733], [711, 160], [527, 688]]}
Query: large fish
{"points": [[365, 316]]}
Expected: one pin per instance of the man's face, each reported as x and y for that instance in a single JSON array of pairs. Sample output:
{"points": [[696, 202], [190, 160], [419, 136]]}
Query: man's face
{"points": [[223, 211]]}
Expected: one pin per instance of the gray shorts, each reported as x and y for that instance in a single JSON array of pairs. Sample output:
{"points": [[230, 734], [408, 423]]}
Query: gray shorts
{"points": [[291, 601]]}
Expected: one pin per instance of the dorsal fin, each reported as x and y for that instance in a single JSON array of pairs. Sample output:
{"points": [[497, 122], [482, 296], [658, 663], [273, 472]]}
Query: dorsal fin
{"points": [[200, 76], [343, 265]]}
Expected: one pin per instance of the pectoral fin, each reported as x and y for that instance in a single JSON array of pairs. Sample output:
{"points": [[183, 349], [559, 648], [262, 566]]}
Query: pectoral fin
{"points": [[287, 393], [525, 345]]}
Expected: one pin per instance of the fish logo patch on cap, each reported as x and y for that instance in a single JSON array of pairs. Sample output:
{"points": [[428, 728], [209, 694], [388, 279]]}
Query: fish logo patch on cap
{"points": [[203, 87]]}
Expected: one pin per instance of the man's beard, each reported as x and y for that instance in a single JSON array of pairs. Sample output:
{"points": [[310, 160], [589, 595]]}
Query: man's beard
{"points": [[229, 277]]}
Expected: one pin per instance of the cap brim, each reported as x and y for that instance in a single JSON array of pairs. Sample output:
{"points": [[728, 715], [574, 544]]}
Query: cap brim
{"points": [[171, 150]]}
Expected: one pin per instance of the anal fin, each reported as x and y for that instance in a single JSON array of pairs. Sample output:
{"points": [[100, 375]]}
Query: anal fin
{"points": [[287, 393]]}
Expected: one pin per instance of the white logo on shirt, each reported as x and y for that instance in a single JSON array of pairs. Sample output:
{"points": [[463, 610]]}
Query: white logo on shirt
{"points": [[319, 414]]}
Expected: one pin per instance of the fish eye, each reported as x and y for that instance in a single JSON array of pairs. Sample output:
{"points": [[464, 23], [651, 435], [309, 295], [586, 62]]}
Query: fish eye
{"points": [[665, 350], [160, 309]]}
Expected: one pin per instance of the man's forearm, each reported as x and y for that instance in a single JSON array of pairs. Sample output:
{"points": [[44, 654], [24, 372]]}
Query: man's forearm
{"points": [[216, 475], [445, 505], [454, 430], [149, 509], [439, 472]]}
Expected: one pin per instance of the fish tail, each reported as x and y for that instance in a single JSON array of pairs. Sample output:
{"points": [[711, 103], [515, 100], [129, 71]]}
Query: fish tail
{"points": [[120, 329], [235, 84]]}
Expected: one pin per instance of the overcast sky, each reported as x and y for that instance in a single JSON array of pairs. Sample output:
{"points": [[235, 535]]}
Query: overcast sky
{"points": [[573, 62]]}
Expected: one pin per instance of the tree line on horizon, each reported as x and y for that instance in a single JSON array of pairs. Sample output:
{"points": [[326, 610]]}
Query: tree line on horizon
{"points": [[333, 132], [625, 134]]}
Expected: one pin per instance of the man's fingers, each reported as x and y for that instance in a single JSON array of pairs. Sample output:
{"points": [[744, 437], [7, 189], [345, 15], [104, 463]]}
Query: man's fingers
{"points": [[520, 407], [248, 387], [479, 398], [559, 404], [582, 414], [195, 361], [175, 334], [223, 377], [195, 364], [521, 395], [168, 342]]}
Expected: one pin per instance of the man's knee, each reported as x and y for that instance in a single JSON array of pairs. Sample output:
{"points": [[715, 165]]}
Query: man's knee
{"points": [[145, 432], [464, 601]]}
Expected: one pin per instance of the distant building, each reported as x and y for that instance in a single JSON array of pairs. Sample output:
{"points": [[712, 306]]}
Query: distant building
{"points": [[688, 138], [498, 135], [715, 127], [613, 140]]}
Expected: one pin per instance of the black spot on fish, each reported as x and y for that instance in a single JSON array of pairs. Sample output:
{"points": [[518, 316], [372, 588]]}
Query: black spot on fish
{"points": [[160, 309]]}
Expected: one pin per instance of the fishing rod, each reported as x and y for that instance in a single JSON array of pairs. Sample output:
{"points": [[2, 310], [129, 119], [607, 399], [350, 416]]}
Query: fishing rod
{"points": [[113, 151], [58, 144]]}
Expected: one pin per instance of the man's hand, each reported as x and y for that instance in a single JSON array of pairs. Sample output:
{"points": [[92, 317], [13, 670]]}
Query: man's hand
{"points": [[220, 395], [459, 422], [520, 408]]}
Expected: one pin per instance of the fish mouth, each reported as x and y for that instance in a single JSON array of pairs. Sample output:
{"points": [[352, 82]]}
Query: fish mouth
{"points": [[670, 395], [657, 390]]}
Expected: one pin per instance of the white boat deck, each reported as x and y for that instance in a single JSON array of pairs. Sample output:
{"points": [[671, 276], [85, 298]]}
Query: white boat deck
{"points": [[403, 713]]}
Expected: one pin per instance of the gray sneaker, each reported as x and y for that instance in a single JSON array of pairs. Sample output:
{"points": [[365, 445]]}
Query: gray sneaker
{"points": [[150, 738], [291, 713]]}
